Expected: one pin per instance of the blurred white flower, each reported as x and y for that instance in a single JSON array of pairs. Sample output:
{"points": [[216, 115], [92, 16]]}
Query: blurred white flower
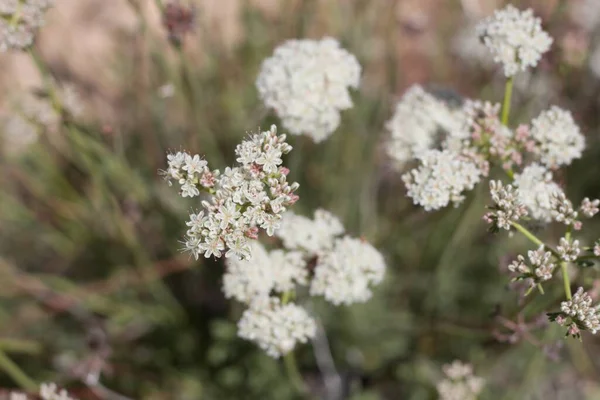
{"points": [[280, 271], [310, 236], [18, 134], [17, 396], [419, 119], [467, 45], [585, 13], [276, 328], [346, 273], [515, 39], [460, 382], [441, 178], [19, 22], [536, 189], [558, 138], [306, 83], [49, 391], [166, 91]]}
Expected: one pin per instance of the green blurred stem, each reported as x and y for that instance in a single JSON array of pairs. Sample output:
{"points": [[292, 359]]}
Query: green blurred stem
{"points": [[563, 267], [291, 368], [16, 374], [19, 346], [527, 233], [507, 98], [46, 78]]}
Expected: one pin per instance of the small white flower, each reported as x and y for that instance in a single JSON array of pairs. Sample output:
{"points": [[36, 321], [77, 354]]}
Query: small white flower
{"points": [[558, 138], [310, 236], [49, 391], [460, 382], [515, 39], [306, 83], [589, 208], [508, 206], [568, 251], [20, 22], [194, 165], [582, 312]]}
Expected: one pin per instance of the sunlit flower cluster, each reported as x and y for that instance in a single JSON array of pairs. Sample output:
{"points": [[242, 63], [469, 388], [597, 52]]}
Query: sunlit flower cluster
{"points": [[310, 236], [459, 383], [306, 83], [19, 22], [241, 199], [515, 39], [418, 121], [558, 138]]}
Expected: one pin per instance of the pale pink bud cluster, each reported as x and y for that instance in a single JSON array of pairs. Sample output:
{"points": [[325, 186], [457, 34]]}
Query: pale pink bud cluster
{"points": [[507, 206]]}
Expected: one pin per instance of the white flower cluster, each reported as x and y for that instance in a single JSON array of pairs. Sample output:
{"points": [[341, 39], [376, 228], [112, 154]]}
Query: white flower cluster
{"points": [[243, 198], [536, 190], [583, 315], [309, 235], [441, 178], [342, 270], [541, 269], [468, 47], [49, 391], [418, 120], [345, 274], [306, 83], [568, 250], [589, 208], [507, 206], [563, 211], [558, 138], [265, 272], [515, 39], [276, 327], [19, 22], [460, 382]]}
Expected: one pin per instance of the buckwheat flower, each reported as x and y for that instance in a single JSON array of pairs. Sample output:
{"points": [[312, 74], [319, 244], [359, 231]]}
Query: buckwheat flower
{"points": [[558, 138], [20, 21], [418, 120], [507, 206], [536, 191], [49, 391], [460, 383], [253, 195], [279, 271], [346, 273], [276, 328], [306, 83], [578, 314], [17, 396], [441, 178], [309, 236], [567, 250], [467, 45], [515, 39], [589, 208]]}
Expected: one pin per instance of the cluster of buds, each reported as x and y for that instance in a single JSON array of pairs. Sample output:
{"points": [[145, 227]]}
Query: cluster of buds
{"points": [[539, 271], [506, 209], [563, 211], [578, 314]]}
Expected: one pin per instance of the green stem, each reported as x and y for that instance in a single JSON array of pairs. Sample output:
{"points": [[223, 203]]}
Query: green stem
{"points": [[46, 78], [527, 233], [565, 276], [17, 375], [291, 368], [507, 98]]}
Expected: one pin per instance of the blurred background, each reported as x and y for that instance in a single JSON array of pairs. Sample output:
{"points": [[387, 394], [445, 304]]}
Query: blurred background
{"points": [[92, 279]]}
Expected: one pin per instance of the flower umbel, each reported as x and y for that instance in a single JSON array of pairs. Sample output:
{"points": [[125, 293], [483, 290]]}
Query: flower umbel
{"points": [[460, 383], [578, 314], [507, 206]]}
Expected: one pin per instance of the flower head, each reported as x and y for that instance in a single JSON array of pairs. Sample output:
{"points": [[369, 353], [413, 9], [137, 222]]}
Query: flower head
{"points": [[252, 195], [276, 328], [306, 83], [309, 236], [536, 191], [418, 120], [558, 140], [49, 391], [441, 178], [515, 39], [578, 314], [507, 206], [460, 383], [568, 250], [541, 268], [346, 273], [589, 208]]}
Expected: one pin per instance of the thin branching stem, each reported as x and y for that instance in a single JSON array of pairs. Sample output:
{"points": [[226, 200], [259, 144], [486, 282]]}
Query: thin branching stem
{"points": [[15, 373], [507, 99]]}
